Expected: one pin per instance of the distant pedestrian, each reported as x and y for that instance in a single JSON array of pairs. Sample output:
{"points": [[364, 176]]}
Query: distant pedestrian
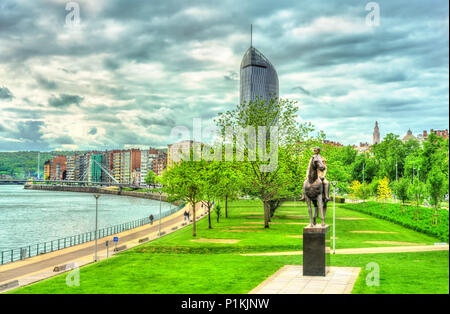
{"points": [[188, 214], [185, 215], [151, 218]]}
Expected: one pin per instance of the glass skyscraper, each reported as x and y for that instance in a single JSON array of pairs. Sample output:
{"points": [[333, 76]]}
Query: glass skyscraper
{"points": [[259, 78]]}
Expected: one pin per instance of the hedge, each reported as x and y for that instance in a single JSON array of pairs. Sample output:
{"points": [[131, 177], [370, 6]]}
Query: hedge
{"points": [[404, 216]]}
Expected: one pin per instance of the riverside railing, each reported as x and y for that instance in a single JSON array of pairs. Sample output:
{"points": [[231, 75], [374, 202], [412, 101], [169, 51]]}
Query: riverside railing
{"points": [[22, 253]]}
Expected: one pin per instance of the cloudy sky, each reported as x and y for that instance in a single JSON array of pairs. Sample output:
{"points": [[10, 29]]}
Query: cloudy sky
{"points": [[130, 71]]}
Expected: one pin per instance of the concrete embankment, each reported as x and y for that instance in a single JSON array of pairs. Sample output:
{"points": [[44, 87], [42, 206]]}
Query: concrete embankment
{"points": [[93, 190]]}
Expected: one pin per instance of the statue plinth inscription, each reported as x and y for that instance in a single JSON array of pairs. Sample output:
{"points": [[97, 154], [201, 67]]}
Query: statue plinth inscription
{"points": [[316, 250]]}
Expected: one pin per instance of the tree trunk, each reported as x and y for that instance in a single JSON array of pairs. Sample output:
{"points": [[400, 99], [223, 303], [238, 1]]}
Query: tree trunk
{"points": [[226, 206], [209, 216], [194, 226], [266, 214]]}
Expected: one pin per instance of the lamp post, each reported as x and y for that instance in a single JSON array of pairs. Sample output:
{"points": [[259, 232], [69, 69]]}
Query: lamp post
{"points": [[396, 171], [334, 183], [96, 224], [160, 201]]}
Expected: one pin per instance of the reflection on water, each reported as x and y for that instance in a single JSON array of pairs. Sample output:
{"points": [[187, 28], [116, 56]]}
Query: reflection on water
{"points": [[28, 217]]}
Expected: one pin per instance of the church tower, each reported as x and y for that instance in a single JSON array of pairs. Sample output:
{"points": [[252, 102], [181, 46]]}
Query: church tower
{"points": [[376, 134]]}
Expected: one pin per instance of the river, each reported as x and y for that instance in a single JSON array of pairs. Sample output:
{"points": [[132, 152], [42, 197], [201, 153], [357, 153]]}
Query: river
{"points": [[29, 217]]}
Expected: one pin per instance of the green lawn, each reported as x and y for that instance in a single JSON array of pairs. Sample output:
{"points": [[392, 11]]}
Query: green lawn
{"points": [[175, 264]]}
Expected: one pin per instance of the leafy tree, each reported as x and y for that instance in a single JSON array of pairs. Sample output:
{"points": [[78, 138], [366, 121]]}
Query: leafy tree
{"points": [[210, 177], [435, 187], [401, 190], [389, 153], [217, 210], [269, 186], [230, 183], [416, 193], [150, 178], [363, 192], [383, 190], [356, 185], [184, 181]]}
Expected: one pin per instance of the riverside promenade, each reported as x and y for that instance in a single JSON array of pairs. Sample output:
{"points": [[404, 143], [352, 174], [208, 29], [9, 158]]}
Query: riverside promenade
{"points": [[41, 267]]}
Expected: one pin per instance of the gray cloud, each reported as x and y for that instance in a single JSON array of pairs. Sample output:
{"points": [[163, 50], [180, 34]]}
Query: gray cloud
{"points": [[5, 93], [65, 139], [92, 131], [163, 63], [64, 101], [45, 83], [29, 130]]}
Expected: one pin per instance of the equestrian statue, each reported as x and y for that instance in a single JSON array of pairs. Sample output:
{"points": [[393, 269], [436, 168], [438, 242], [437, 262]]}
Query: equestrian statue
{"points": [[316, 188]]}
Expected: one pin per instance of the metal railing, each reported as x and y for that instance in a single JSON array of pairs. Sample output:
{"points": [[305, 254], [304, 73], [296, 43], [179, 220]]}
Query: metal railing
{"points": [[22, 253]]}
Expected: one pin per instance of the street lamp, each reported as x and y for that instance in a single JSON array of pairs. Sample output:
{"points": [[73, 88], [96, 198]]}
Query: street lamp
{"points": [[334, 184], [396, 171], [96, 224], [160, 201]]}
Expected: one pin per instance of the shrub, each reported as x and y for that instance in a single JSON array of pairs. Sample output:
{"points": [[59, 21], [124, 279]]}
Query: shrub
{"points": [[393, 213]]}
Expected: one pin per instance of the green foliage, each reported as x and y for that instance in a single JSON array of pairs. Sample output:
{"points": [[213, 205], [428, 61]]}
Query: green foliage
{"points": [[363, 191], [395, 213], [19, 164], [435, 186], [184, 181], [217, 210], [401, 189], [150, 177], [416, 191], [294, 148]]}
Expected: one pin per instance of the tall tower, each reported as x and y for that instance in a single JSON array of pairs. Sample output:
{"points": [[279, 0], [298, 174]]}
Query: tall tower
{"points": [[376, 134], [258, 77]]}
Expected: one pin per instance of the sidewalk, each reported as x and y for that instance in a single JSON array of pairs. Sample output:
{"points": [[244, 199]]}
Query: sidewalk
{"points": [[41, 267]]}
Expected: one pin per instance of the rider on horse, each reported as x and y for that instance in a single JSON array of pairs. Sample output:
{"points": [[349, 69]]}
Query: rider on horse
{"points": [[322, 174]]}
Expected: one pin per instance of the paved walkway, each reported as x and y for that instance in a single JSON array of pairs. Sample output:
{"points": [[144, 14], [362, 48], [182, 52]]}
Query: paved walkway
{"points": [[40, 267], [367, 250], [290, 280]]}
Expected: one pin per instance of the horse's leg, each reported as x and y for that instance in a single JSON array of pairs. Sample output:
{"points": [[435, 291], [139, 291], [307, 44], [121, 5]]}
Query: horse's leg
{"points": [[315, 211], [320, 204], [308, 202], [325, 205]]}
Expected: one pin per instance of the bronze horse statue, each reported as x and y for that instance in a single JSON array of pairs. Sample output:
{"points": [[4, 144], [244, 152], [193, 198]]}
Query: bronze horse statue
{"points": [[314, 191]]}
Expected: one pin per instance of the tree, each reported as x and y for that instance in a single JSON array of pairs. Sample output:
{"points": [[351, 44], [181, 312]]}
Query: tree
{"points": [[150, 178], [401, 190], [390, 155], [384, 191], [435, 188], [184, 181], [355, 188], [230, 183], [416, 193], [363, 192], [210, 177], [217, 209], [269, 186]]}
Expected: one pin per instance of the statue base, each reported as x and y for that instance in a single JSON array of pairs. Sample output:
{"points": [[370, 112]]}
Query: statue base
{"points": [[316, 250]]}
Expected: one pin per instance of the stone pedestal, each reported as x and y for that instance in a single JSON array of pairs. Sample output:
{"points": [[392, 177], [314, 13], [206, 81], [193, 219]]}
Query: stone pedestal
{"points": [[316, 250]]}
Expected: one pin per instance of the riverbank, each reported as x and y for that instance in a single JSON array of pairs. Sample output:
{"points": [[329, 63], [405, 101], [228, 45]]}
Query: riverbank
{"points": [[38, 268], [96, 190]]}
